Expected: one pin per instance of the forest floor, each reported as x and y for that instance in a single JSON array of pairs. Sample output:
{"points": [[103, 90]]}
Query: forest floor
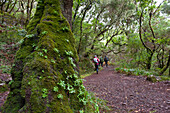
{"points": [[129, 94], [125, 94]]}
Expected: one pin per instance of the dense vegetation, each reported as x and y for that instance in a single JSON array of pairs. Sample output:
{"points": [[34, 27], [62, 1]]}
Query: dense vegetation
{"points": [[133, 33]]}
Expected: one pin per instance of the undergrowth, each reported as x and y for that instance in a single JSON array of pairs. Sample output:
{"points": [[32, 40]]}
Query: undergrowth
{"points": [[138, 72], [10, 40]]}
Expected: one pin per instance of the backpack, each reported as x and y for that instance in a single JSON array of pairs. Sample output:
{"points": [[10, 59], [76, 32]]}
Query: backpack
{"points": [[106, 59], [101, 59], [95, 60]]}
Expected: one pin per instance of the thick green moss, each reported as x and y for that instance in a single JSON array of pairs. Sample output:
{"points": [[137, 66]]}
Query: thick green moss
{"points": [[3, 88], [47, 59], [152, 78], [15, 103], [37, 17]]}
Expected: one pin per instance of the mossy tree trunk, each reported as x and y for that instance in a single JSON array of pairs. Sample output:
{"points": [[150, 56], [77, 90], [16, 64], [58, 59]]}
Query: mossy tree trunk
{"points": [[166, 66], [45, 75]]}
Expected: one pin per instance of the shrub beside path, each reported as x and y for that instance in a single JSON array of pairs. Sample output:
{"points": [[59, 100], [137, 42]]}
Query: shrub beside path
{"points": [[129, 94]]}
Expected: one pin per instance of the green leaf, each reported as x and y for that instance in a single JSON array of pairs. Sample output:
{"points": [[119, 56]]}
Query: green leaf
{"points": [[53, 61], [45, 91], [11, 82], [44, 95], [45, 56], [81, 111], [65, 28], [70, 88], [45, 50], [55, 89], [62, 84], [29, 36], [36, 48], [56, 12], [21, 41], [67, 40], [71, 61], [44, 32], [33, 45], [56, 50], [60, 96], [75, 76], [69, 53], [40, 53]]}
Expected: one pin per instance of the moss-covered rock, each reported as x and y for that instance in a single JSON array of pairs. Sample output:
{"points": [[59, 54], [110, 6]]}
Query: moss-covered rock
{"points": [[45, 73], [152, 78]]}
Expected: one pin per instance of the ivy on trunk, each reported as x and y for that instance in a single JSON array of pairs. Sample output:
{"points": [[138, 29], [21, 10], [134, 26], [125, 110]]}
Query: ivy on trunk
{"points": [[45, 74]]}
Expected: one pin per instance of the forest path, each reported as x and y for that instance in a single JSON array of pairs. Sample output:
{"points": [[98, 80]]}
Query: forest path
{"points": [[129, 94]]}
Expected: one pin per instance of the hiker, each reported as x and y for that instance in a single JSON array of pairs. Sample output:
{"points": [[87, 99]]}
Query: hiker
{"points": [[101, 61], [106, 61], [96, 63]]}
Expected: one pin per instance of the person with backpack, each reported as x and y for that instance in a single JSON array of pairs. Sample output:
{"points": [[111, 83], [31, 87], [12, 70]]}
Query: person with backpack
{"points": [[96, 63], [101, 61], [106, 61]]}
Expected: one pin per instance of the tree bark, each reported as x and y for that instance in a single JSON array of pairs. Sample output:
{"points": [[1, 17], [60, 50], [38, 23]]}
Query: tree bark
{"points": [[149, 51], [75, 14], [169, 71], [166, 66], [66, 7], [45, 75], [81, 28]]}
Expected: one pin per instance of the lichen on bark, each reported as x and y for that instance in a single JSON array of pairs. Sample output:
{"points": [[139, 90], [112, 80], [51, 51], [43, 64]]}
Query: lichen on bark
{"points": [[45, 75]]}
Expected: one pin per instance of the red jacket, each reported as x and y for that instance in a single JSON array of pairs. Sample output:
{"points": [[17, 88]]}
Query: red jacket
{"points": [[97, 60]]}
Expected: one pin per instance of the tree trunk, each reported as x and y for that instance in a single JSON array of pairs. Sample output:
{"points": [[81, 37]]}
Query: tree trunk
{"points": [[45, 75], [149, 51], [66, 7], [149, 61], [169, 71], [166, 66]]}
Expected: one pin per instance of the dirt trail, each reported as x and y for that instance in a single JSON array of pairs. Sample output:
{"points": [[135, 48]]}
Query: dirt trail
{"points": [[129, 94]]}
